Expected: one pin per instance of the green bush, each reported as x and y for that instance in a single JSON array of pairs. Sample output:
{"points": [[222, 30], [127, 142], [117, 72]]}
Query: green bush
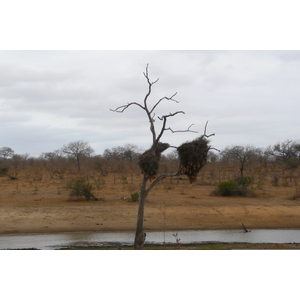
{"points": [[81, 189], [243, 181], [226, 188], [3, 171], [135, 196], [242, 184], [237, 187], [292, 163]]}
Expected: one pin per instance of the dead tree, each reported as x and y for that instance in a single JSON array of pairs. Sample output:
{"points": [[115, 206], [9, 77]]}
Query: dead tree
{"points": [[149, 160]]}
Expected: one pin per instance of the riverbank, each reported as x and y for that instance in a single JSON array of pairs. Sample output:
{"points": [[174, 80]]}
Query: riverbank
{"points": [[202, 246]]}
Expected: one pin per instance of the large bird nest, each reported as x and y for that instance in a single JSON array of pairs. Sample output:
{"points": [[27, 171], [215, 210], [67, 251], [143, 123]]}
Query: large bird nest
{"points": [[149, 160], [193, 156]]}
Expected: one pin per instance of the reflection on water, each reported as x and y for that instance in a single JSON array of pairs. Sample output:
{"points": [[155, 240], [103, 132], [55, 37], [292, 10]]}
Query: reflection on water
{"points": [[61, 240]]}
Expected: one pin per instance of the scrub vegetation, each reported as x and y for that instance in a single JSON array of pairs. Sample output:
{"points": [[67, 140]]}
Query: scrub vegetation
{"points": [[37, 194]]}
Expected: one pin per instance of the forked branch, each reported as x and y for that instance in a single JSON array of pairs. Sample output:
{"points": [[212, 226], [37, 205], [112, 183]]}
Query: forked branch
{"points": [[164, 98], [163, 176], [147, 77], [204, 134]]}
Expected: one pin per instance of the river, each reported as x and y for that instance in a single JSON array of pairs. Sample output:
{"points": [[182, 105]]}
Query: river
{"points": [[66, 240]]}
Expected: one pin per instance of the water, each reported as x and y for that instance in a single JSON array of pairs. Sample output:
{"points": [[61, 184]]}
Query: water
{"points": [[65, 240]]}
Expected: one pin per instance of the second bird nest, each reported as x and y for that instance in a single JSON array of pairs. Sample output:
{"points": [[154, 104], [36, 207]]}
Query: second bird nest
{"points": [[193, 156]]}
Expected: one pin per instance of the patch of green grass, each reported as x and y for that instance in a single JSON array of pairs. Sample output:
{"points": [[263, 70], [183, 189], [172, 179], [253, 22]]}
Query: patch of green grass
{"points": [[135, 197]]}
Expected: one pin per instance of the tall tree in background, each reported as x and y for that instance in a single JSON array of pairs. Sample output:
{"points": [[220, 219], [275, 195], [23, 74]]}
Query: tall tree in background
{"points": [[240, 154], [192, 155], [287, 152], [78, 150], [6, 152]]}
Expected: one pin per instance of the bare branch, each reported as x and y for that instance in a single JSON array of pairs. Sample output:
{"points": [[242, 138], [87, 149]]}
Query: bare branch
{"points": [[153, 117], [122, 108], [164, 98], [211, 148], [171, 115], [190, 127], [145, 107], [149, 87], [187, 130], [147, 76], [163, 176], [163, 128], [205, 128], [204, 134]]}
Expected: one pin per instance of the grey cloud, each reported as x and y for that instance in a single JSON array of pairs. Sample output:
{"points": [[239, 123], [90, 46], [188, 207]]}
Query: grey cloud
{"points": [[11, 75], [63, 96], [11, 118], [290, 56]]}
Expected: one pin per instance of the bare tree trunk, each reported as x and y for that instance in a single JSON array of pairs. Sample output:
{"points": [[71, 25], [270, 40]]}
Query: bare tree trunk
{"points": [[78, 163], [144, 191], [139, 234], [242, 171]]}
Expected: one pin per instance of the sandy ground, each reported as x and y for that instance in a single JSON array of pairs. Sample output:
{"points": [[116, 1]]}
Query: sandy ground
{"points": [[43, 207]]}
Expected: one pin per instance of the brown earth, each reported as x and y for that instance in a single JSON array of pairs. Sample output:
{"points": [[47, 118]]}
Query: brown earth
{"points": [[44, 206]]}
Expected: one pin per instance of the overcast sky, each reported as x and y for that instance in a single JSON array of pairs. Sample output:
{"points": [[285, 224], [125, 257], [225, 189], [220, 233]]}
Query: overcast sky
{"points": [[50, 98]]}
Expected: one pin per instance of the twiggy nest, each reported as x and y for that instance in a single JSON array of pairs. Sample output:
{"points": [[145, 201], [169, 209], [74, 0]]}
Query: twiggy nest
{"points": [[149, 160], [193, 156]]}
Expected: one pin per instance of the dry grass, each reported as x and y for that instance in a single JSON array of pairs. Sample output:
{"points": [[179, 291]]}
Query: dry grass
{"points": [[28, 205]]}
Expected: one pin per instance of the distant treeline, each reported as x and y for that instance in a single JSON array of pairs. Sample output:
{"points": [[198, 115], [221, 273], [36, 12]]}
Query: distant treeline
{"points": [[79, 157]]}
